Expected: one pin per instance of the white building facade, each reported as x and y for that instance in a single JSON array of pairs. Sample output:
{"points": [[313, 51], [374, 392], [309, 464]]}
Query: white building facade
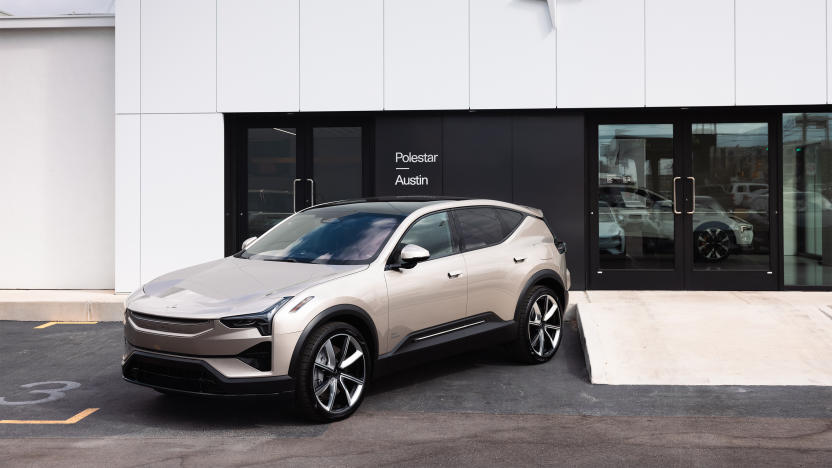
{"points": [[617, 117]]}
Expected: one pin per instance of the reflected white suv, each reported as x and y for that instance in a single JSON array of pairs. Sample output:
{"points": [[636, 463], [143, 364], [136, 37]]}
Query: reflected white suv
{"points": [[343, 291]]}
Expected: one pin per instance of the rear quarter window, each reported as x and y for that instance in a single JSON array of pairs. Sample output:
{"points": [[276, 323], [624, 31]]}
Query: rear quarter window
{"points": [[511, 219], [480, 227]]}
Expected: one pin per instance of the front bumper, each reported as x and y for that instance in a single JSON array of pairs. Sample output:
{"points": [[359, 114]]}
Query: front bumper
{"points": [[191, 375]]}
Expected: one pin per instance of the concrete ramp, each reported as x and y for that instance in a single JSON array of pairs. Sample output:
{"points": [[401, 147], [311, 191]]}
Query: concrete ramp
{"points": [[700, 338]]}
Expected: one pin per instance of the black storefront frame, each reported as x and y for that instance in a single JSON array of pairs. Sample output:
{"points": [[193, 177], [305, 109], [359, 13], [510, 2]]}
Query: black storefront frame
{"points": [[771, 114], [236, 150], [580, 256]]}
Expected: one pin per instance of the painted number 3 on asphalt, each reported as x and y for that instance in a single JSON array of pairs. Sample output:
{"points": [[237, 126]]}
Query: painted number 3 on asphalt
{"points": [[52, 394]]}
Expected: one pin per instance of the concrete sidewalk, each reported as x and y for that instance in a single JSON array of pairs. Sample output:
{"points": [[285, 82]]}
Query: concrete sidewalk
{"points": [[706, 337], [61, 305]]}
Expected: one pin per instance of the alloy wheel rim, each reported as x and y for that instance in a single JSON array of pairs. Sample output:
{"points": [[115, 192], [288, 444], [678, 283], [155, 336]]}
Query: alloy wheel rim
{"points": [[713, 243], [339, 373], [544, 325]]}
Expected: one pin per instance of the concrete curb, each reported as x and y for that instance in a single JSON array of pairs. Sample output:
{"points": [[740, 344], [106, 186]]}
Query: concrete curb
{"points": [[61, 306]]}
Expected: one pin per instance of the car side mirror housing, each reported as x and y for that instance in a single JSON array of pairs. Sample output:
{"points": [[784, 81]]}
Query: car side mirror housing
{"points": [[411, 254], [248, 242]]}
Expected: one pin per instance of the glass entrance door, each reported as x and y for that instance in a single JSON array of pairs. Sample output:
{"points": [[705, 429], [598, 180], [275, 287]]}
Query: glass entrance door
{"points": [[270, 177], [282, 165], [637, 228], [683, 204], [728, 218]]}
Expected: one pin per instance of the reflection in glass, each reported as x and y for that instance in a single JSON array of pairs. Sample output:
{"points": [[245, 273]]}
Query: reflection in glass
{"points": [[731, 214], [270, 160], [635, 191], [807, 189], [336, 153]]}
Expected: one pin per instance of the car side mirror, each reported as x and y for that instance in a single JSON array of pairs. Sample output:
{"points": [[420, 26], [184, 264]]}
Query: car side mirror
{"points": [[412, 254], [248, 242]]}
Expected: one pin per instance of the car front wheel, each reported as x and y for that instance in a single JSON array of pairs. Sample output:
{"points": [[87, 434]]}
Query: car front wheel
{"points": [[333, 372]]}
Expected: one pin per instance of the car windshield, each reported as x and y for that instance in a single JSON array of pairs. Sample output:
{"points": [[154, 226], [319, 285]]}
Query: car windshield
{"points": [[338, 235]]}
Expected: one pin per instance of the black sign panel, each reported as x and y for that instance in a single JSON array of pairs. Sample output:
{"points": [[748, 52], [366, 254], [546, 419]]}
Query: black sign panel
{"points": [[408, 155]]}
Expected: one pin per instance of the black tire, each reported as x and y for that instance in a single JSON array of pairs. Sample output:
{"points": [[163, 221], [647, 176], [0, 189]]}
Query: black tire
{"points": [[526, 347], [713, 242], [313, 371]]}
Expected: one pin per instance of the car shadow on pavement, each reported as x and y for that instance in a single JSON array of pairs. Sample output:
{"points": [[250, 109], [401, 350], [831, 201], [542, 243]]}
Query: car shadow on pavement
{"points": [[569, 359], [218, 413]]}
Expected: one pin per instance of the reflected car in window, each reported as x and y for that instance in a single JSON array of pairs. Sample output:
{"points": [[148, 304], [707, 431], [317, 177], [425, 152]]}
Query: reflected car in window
{"points": [[717, 233], [612, 238]]}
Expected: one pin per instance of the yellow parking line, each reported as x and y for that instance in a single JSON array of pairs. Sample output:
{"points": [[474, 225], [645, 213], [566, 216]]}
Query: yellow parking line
{"points": [[49, 324], [72, 420]]}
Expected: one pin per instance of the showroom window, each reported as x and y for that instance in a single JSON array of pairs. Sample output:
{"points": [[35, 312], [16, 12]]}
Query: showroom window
{"points": [[807, 189]]}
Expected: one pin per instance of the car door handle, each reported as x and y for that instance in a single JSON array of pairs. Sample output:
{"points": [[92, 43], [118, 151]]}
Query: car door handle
{"points": [[519, 259], [454, 274]]}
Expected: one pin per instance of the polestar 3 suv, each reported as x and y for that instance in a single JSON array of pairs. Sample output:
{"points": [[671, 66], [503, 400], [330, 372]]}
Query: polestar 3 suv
{"points": [[341, 292]]}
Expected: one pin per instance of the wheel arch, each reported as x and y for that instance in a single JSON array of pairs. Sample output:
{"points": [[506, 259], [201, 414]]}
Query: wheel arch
{"points": [[348, 313], [550, 279]]}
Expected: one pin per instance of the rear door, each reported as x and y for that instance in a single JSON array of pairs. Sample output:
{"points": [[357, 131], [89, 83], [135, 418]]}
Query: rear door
{"points": [[495, 267]]}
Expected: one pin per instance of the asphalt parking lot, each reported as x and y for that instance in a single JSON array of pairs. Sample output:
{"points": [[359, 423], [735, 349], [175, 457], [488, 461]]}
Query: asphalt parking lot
{"points": [[475, 408]]}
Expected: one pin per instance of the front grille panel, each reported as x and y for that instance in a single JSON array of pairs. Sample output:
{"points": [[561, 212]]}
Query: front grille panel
{"points": [[169, 325]]}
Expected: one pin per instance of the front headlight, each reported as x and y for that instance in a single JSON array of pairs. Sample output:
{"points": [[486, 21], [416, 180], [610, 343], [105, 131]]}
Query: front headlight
{"points": [[745, 227], [261, 320]]}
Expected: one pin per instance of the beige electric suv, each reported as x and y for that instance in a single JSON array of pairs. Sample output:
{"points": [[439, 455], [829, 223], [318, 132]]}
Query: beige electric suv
{"points": [[341, 292]]}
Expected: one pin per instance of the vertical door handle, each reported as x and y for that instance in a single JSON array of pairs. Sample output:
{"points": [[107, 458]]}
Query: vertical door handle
{"points": [[693, 198], [312, 190], [675, 210], [294, 195], [454, 274]]}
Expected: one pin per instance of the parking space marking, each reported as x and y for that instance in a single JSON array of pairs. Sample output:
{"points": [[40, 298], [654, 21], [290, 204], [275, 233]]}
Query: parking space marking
{"points": [[49, 324], [72, 420]]}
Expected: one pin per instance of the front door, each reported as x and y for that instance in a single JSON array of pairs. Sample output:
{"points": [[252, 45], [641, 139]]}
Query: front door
{"points": [[433, 292], [683, 203], [281, 165]]}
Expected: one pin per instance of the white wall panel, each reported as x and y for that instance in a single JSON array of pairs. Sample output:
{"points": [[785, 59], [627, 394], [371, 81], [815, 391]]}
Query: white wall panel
{"points": [[781, 52], [425, 54], [341, 55], [182, 186], [689, 52], [829, 51], [513, 47], [127, 202], [178, 50], [56, 158], [600, 53], [128, 56], [257, 55]]}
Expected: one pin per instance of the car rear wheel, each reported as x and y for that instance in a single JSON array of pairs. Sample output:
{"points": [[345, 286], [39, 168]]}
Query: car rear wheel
{"points": [[540, 319], [333, 372]]}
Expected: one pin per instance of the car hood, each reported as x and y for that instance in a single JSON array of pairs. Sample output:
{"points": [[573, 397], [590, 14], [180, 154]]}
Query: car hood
{"points": [[230, 286], [608, 229]]}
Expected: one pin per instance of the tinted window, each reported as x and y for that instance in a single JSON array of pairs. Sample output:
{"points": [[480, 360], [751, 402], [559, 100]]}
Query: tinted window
{"points": [[479, 227], [511, 219], [432, 233], [333, 235]]}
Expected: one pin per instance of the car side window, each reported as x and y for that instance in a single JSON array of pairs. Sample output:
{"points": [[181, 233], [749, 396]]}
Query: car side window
{"points": [[479, 227], [511, 219], [433, 232]]}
